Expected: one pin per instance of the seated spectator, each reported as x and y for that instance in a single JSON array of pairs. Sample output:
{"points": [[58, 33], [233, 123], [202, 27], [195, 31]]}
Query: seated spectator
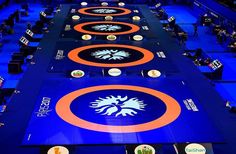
{"points": [[207, 61], [221, 36], [232, 46], [233, 36], [167, 28], [162, 14]]}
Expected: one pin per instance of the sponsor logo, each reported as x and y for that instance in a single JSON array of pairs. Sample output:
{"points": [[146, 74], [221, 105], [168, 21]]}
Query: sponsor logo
{"points": [[144, 149], [60, 55], [44, 107], [195, 149], [77, 73], [190, 105], [58, 150]]}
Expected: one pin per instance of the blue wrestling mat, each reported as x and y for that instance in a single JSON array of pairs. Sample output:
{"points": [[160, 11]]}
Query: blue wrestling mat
{"points": [[140, 110], [133, 57], [99, 29], [95, 11]]}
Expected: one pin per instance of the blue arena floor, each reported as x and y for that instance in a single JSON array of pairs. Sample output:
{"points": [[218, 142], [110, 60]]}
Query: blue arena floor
{"points": [[185, 16]]}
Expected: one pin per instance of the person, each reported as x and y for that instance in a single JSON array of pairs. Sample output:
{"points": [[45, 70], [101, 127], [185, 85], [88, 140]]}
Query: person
{"points": [[220, 36], [176, 30], [232, 46], [224, 35], [203, 17], [233, 36], [1, 38], [207, 61], [195, 29]]}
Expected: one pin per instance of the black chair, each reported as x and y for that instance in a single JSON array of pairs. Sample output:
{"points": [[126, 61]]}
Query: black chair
{"points": [[2, 97], [45, 18], [14, 67], [17, 56]]}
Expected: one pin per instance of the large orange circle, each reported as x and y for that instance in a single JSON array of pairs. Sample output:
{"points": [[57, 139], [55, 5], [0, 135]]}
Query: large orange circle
{"points": [[79, 28], [83, 11], [73, 55], [173, 110]]}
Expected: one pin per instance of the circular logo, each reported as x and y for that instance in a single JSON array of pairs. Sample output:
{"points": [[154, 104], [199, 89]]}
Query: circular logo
{"points": [[104, 4], [195, 148], [86, 37], [136, 18], [106, 28], [111, 37], [104, 11], [110, 55], [83, 3], [58, 150], [138, 37], [114, 72], [172, 112], [75, 17], [154, 73], [144, 149], [121, 4], [108, 18], [77, 73]]}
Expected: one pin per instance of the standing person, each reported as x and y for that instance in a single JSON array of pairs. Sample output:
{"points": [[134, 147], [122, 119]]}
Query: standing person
{"points": [[195, 27]]}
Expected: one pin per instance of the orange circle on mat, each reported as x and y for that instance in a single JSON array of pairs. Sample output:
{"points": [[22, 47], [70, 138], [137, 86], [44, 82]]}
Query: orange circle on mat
{"points": [[83, 11], [73, 55], [173, 110], [79, 28]]}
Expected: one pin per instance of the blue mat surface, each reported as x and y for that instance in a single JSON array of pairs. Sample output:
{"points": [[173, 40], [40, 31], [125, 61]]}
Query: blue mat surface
{"points": [[118, 111]]}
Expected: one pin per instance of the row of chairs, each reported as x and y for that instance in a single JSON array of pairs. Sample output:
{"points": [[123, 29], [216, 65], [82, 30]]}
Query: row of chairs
{"points": [[169, 24], [29, 42], [27, 49]]}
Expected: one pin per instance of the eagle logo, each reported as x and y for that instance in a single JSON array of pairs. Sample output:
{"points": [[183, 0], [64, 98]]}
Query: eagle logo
{"points": [[110, 54], [118, 106], [106, 27], [105, 11]]}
